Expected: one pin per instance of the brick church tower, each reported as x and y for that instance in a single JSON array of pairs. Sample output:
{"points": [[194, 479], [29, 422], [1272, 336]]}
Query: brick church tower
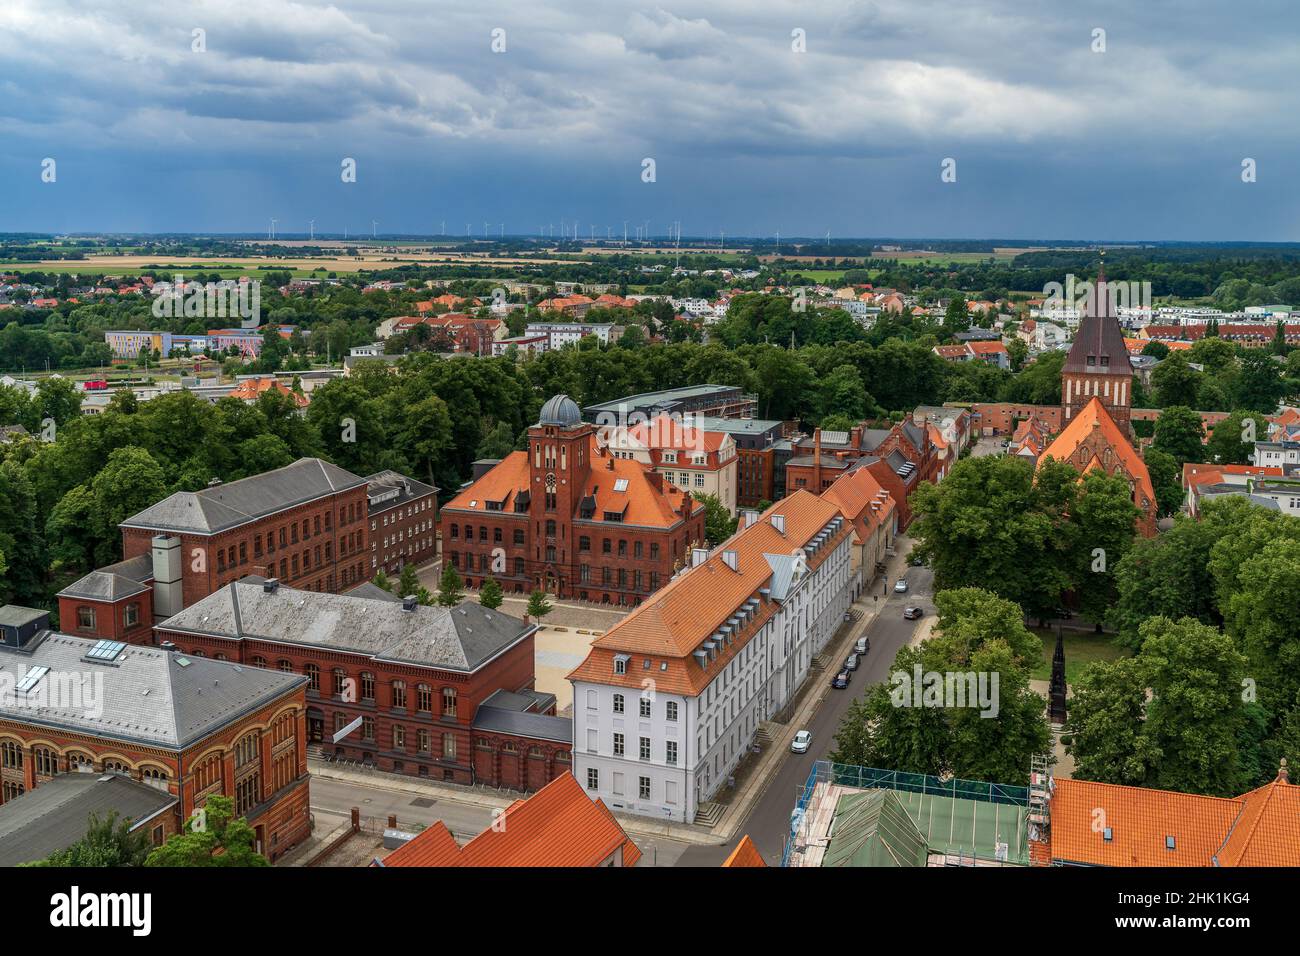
{"points": [[1098, 365]]}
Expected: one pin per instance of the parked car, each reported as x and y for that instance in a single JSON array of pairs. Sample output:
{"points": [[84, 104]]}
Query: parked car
{"points": [[802, 741], [901, 586], [912, 612], [851, 662], [917, 562], [841, 680], [862, 646]]}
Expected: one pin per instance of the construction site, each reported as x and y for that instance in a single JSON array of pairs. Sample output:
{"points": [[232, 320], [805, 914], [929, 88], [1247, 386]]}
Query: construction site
{"points": [[859, 816]]}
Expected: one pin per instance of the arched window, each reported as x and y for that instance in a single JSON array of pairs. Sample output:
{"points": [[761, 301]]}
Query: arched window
{"points": [[258, 661], [46, 761], [79, 762], [248, 749], [155, 777], [11, 755], [449, 702], [117, 766]]}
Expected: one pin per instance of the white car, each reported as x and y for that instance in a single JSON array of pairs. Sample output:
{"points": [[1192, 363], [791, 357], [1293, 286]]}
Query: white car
{"points": [[802, 741], [901, 586]]}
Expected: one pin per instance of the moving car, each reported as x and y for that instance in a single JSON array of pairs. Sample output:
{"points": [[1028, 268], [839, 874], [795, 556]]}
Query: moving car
{"points": [[901, 586], [917, 562], [851, 662], [841, 680], [862, 646], [912, 612], [802, 740]]}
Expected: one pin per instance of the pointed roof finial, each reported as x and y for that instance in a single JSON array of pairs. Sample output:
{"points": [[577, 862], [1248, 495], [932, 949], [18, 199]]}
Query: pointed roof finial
{"points": [[1283, 775]]}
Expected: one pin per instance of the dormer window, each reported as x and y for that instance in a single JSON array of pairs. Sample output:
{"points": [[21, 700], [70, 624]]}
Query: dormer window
{"points": [[620, 663]]}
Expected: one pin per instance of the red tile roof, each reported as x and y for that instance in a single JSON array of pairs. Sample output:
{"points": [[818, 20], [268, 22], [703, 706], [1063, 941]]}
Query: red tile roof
{"points": [[1095, 416], [1259, 828], [558, 825], [745, 854]]}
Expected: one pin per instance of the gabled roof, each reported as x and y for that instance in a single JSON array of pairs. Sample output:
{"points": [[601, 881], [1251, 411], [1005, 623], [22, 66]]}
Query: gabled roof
{"points": [[1260, 828], [1065, 447], [745, 854], [147, 695], [640, 503], [559, 825], [853, 494], [458, 639], [224, 506], [1267, 830]]}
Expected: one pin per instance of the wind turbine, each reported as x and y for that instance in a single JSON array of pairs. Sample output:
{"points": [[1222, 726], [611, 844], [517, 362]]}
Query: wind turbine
{"points": [[311, 230], [374, 228], [625, 232], [271, 233]]}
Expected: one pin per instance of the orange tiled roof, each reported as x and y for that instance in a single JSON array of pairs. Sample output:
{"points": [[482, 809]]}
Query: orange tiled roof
{"points": [[1094, 415], [559, 825], [1139, 820], [987, 348], [664, 431], [674, 621], [1259, 828], [745, 854], [1267, 832], [250, 388], [853, 493], [643, 503]]}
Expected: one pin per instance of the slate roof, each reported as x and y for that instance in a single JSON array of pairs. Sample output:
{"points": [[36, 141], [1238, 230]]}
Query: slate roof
{"points": [[145, 695], [458, 639], [113, 582], [56, 814], [372, 591], [225, 506], [1099, 335]]}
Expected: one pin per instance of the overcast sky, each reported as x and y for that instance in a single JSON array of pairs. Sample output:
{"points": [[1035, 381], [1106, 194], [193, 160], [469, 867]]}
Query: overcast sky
{"points": [[1051, 138]]}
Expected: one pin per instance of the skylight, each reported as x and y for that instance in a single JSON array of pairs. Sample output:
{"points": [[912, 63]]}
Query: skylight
{"points": [[620, 484], [105, 651], [31, 679]]}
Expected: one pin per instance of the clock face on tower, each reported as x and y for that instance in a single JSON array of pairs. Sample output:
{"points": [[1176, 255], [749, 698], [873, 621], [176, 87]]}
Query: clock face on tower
{"points": [[550, 481]]}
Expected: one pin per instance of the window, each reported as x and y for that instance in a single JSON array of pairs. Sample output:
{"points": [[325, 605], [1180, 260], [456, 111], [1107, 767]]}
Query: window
{"points": [[645, 705], [131, 615], [423, 740], [449, 702], [620, 665], [11, 755], [448, 746], [424, 698], [671, 710], [645, 748], [247, 749], [399, 737], [154, 777], [313, 677], [340, 682], [46, 761], [643, 789], [670, 752], [593, 778], [618, 745], [86, 618], [367, 686], [367, 728], [618, 703], [399, 694]]}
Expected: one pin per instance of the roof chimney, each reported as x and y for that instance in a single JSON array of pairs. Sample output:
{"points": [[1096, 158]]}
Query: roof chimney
{"points": [[270, 585], [213, 482], [410, 602], [817, 461]]}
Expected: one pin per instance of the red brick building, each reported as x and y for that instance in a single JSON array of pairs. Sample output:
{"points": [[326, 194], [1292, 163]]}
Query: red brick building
{"points": [[307, 524], [570, 518], [1097, 365], [441, 693], [403, 522], [184, 725]]}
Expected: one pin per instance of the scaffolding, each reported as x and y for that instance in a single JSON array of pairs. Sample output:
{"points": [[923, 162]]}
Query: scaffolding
{"points": [[964, 822], [1041, 786]]}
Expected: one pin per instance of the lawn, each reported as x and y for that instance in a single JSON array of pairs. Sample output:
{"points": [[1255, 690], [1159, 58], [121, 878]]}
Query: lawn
{"points": [[1081, 649]]}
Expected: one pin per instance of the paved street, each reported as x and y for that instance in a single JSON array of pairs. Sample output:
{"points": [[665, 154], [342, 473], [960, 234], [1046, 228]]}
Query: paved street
{"points": [[768, 821]]}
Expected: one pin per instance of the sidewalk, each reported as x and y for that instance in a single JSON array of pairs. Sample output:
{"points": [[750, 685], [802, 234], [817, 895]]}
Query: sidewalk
{"points": [[812, 694]]}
